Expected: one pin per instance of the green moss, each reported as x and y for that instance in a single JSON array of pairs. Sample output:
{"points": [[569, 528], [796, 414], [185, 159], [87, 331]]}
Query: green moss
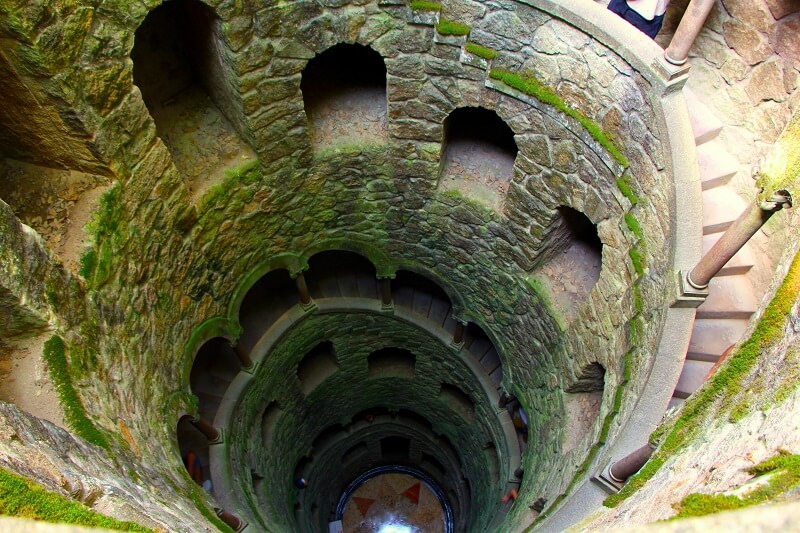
{"points": [[247, 173], [74, 412], [784, 470], [633, 225], [105, 220], [543, 293], [449, 27], [790, 380], [26, 499], [531, 86], [425, 5], [481, 51], [723, 387], [781, 166], [637, 259], [199, 500], [625, 186]]}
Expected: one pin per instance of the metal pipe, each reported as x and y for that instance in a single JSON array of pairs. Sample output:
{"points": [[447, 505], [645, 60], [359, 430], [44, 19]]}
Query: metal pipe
{"points": [[211, 433], [691, 23], [630, 464], [736, 236], [302, 288]]}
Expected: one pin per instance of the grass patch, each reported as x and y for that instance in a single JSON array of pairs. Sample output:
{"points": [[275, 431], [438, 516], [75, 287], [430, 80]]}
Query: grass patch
{"points": [[449, 27], [25, 499], [785, 475], [74, 412], [531, 86], [481, 51], [425, 5], [725, 385]]}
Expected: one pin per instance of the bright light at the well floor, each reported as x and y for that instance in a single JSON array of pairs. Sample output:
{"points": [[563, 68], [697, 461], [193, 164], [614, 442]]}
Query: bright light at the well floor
{"points": [[395, 528]]}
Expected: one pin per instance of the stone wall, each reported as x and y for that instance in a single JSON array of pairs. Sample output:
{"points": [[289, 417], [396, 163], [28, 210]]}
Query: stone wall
{"points": [[349, 391], [163, 265]]}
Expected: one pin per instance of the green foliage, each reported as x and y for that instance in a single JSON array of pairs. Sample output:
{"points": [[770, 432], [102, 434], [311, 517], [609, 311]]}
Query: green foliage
{"points": [[725, 385], [26, 499], [531, 86], [785, 475], [74, 412], [481, 51], [448, 27], [426, 5]]}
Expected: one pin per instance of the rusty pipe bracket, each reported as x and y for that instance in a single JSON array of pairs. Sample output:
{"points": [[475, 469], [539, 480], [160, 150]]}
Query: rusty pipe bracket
{"points": [[780, 199], [689, 294], [607, 481]]}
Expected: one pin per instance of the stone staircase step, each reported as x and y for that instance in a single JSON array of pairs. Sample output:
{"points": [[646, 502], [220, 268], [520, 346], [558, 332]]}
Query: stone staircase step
{"points": [[717, 167], [710, 338], [403, 296], [730, 297], [440, 310], [705, 125], [491, 361], [741, 263], [421, 304], [368, 287], [348, 285], [329, 286], [692, 377], [721, 206]]}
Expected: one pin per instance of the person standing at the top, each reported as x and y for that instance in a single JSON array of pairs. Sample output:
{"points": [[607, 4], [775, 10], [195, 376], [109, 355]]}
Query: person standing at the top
{"points": [[645, 15]]}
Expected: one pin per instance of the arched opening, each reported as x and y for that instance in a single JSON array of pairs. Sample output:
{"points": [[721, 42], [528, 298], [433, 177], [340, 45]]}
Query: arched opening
{"points": [[193, 447], [265, 302], [424, 298], [213, 370], [178, 65], [341, 273], [391, 362], [317, 365], [582, 401], [574, 260], [395, 448], [344, 93], [477, 155]]}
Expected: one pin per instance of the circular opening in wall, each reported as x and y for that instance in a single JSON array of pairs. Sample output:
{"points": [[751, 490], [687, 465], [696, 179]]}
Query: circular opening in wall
{"points": [[394, 499]]}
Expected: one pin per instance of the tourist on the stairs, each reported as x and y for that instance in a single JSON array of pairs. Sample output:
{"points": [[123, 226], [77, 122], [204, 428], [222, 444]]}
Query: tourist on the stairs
{"points": [[645, 15]]}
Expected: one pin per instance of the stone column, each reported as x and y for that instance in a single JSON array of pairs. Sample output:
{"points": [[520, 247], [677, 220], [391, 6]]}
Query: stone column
{"points": [[630, 464], [458, 334], [243, 355], [302, 289], [691, 23], [736, 236], [235, 523]]}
